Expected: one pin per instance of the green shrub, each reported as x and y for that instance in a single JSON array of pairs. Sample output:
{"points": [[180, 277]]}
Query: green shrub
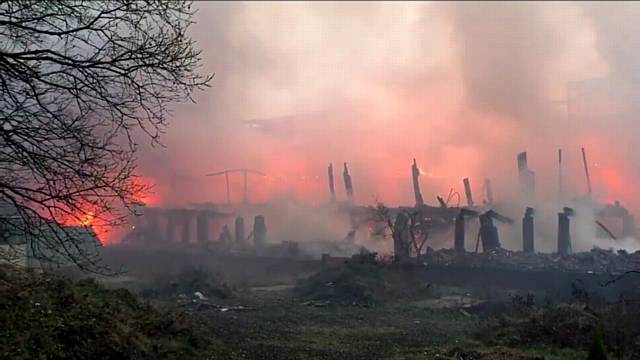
{"points": [[48, 317], [598, 351]]}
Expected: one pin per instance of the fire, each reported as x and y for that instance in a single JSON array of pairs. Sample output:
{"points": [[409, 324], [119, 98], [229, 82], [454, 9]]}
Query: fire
{"points": [[614, 182], [102, 222], [143, 192], [378, 149], [87, 219], [612, 175], [81, 217]]}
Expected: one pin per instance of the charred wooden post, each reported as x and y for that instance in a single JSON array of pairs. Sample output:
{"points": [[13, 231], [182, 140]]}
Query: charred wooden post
{"points": [[527, 231], [186, 226], [467, 192], [202, 227], [401, 237], [153, 225], [226, 179], [259, 231], [489, 232], [458, 234], [415, 173], [526, 177], [488, 191], [560, 190], [240, 239], [459, 229], [245, 194], [564, 231], [332, 189], [171, 224], [225, 236], [586, 170], [347, 182]]}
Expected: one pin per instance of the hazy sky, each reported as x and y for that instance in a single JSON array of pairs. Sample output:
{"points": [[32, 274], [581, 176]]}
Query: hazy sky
{"points": [[462, 87]]}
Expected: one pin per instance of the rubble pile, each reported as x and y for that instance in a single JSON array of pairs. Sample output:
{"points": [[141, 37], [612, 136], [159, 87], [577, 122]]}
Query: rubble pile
{"points": [[596, 261]]}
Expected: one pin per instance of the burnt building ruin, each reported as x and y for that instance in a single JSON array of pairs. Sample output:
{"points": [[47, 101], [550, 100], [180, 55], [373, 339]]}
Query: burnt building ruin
{"points": [[467, 192], [489, 232], [527, 231], [332, 188], [564, 231], [240, 237], [348, 186], [184, 225], [415, 173], [259, 231], [459, 229], [526, 177]]}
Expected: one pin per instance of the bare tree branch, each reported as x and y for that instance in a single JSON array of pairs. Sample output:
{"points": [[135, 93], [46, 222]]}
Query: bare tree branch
{"points": [[77, 79], [418, 226], [619, 277]]}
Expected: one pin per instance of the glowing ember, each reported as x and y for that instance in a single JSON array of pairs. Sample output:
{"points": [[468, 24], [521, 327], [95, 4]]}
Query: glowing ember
{"points": [[87, 219]]}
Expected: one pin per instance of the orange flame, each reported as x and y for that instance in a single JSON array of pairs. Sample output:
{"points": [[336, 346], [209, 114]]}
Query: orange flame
{"points": [[87, 219], [101, 223]]}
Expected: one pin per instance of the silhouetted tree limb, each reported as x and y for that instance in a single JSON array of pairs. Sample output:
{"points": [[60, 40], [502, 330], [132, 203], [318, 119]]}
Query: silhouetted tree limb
{"points": [[417, 227], [619, 277], [77, 79]]}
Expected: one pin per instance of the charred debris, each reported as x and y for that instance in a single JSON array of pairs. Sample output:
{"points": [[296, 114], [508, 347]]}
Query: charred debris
{"points": [[409, 228]]}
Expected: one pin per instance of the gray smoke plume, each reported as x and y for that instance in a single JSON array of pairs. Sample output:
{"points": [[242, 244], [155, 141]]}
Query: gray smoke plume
{"points": [[461, 87], [504, 52]]}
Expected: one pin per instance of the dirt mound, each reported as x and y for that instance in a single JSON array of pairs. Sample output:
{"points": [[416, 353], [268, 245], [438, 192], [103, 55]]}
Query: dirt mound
{"points": [[361, 284], [187, 282]]}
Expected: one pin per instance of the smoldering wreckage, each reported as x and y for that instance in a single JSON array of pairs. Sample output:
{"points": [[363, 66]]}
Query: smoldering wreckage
{"points": [[228, 231], [225, 230], [173, 257]]}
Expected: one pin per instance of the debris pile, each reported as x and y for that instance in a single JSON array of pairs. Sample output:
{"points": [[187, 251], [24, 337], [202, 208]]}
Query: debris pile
{"points": [[201, 303], [198, 281], [596, 261], [359, 282]]}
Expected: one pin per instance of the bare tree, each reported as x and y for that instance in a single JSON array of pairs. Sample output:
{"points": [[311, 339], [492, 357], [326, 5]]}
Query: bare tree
{"points": [[77, 80], [417, 226]]}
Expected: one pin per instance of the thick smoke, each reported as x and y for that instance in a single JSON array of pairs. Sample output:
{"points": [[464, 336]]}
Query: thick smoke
{"points": [[616, 26], [460, 87], [505, 52]]}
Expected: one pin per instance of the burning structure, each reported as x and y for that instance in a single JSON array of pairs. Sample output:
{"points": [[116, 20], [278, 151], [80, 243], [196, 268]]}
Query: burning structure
{"points": [[379, 120], [39, 245], [409, 230], [183, 225]]}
